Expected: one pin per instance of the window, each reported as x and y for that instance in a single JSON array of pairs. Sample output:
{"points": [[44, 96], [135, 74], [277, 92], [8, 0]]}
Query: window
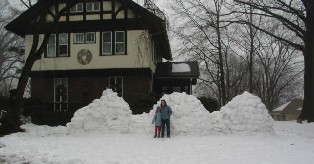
{"points": [[116, 84], [120, 42], [187, 89], [176, 89], [57, 46], [51, 46], [77, 8], [63, 44], [90, 37], [107, 43], [95, 6], [60, 94], [79, 38], [164, 90]]}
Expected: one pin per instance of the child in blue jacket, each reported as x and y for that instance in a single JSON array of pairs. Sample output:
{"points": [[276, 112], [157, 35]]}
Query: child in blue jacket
{"points": [[157, 121]]}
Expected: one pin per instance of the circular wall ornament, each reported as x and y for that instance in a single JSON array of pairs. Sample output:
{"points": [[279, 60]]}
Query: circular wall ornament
{"points": [[84, 56]]}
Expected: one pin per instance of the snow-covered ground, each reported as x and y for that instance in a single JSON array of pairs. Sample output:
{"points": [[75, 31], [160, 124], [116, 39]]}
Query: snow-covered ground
{"points": [[292, 143], [105, 132]]}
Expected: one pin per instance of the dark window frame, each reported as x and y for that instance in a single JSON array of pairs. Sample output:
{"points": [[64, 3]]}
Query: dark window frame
{"points": [[114, 86], [57, 46], [93, 7], [58, 105], [76, 11], [113, 43], [84, 34]]}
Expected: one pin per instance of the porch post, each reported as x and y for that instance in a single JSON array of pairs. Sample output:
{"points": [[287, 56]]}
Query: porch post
{"points": [[190, 86]]}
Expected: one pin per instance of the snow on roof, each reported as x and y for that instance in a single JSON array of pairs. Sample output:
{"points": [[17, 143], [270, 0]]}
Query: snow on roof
{"points": [[182, 67], [281, 107]]}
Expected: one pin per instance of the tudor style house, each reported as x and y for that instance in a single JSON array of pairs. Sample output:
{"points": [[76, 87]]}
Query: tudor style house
{"points": [[99, 44]]}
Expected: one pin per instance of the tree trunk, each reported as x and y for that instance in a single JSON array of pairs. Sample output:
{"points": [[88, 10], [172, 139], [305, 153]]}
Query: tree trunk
{"points": [[11, 122], [308, 103], [251, 52]]}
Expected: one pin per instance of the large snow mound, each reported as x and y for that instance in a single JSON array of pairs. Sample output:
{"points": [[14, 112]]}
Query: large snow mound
{"points": [[247, 113], [110, 113], [244, 114]]}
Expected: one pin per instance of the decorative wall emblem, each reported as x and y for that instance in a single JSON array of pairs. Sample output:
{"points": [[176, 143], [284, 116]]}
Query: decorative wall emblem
{"points": [[84, 56]]}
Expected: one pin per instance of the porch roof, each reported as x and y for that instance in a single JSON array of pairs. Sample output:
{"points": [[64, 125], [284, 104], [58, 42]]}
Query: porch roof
{"points": [[177, 70]]}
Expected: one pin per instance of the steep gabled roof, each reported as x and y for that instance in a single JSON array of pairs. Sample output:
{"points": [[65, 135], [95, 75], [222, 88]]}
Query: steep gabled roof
{"points": [[16, 26], [292, 107], [155, 24]]}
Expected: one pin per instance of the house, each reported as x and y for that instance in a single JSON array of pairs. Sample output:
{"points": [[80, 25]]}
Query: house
{"points": [[288, 111], [99, 44]]}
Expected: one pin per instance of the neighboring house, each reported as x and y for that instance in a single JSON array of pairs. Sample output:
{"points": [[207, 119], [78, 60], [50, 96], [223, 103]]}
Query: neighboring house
{"points": [[99, 44], [288, 111]]}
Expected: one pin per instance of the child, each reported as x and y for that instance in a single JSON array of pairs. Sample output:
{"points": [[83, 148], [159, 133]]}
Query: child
{"points": [[157, 121]]}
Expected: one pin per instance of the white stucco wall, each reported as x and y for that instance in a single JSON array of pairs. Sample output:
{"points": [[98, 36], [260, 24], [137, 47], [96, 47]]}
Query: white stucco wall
{"points": [[139, 50], [139, 55]]}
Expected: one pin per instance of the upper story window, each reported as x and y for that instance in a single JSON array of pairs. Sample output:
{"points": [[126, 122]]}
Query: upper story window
{"points": [[92, 6], [63, 44], [52, 46], [77, 8], [107, 43], [58, 45], [90, 37], [113, 43], [79, 38], [120, 42]]}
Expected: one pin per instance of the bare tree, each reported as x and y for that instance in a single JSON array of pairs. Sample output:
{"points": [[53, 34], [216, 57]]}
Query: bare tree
{"points": [[202, 28], [11, 54], [279, 70], [296, 16], [11, 122]]}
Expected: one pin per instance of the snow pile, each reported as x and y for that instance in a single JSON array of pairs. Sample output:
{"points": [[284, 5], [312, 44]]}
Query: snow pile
{"points": [[43, 130], [182, 67], [246, 114], [110, 113], [188, 115]]}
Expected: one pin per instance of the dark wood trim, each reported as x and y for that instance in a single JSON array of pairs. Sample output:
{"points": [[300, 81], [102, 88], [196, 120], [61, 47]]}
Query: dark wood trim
{"points": [[126, 12], [117, 12], [101, 15], [84, 10], [90, 13], [69, 44], [113, 43], [100, 44], [57, 8], [125, 42], [113, 8], [93, 72], [91, 25], [57, 44]]}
